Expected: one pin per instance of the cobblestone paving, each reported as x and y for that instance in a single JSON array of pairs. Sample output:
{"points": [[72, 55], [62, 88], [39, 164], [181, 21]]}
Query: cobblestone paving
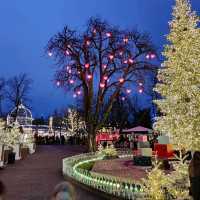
{"points": [[35, 177]]}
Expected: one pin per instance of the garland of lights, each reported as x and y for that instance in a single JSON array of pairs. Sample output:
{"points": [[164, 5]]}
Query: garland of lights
{"points": [[120, 187]]}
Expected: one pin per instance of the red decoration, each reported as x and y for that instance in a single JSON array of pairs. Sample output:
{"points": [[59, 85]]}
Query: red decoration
{"points": [[104, 136], [164, 150]]}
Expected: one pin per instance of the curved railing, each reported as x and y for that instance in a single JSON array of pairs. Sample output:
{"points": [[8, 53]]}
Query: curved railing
{"points": [[120, 187]]}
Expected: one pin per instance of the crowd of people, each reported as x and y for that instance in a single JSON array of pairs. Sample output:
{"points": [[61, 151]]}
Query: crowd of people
{"points": [[52, 139]]}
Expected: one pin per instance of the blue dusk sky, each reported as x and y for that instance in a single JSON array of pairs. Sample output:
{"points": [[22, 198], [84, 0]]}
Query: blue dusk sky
{"points": [[27, 25]]}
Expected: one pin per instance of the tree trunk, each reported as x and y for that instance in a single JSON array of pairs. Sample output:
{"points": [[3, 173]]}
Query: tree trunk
{"points": [[91, 142]]}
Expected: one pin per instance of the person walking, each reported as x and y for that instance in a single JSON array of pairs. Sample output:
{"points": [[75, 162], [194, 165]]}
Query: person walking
{"points": [[64, 191], [194, 175]]}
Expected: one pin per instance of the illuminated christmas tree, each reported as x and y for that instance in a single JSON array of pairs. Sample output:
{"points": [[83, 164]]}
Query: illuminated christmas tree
{"points": [[179, 80]]}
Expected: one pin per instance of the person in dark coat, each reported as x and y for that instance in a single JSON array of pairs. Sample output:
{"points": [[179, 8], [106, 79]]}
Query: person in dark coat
{"points": [[2, 191], [194, 174]]}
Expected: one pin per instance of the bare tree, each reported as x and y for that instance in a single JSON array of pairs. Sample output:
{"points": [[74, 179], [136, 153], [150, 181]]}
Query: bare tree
{"points": [[98, 65], [18, 88], [2, 93]]}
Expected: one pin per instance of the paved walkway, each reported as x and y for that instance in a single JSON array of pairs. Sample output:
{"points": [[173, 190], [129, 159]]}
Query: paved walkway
{"points": [[35, 177]]}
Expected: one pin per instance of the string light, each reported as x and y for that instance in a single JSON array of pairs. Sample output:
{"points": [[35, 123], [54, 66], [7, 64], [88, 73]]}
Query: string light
{"points": [[123, 98], [69, 71], [125, 61], [74, 95]]}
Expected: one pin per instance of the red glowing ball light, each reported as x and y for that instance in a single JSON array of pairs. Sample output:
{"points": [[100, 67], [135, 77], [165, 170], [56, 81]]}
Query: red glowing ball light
{"points": [[102, 85], [140, 84], [79, 92], [153, 56], [58, 83], [50, 54], [94, 31], [140, 91], [67, 52], [71, 81], [123, 98], [104, 66], [105, 78], [121, 80], [111, 57], [87, 65], [121, 53], [88, 42], [148, 56], [108, 34], [125, 40], [89, 76], [130, 61], [128, 91], [125, 61]]}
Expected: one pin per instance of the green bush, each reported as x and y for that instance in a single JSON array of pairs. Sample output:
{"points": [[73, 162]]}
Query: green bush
{"points": [[87, 166]]}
